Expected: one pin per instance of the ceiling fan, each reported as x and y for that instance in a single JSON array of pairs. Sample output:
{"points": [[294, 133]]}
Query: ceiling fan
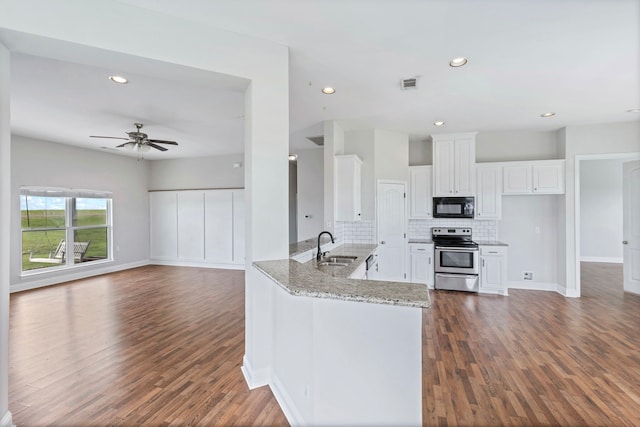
{"points": [[139, 140]]}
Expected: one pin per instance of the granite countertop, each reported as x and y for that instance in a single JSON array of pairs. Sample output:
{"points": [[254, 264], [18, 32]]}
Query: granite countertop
{"points": [[309, 279], [490, 243], [305, 245]]}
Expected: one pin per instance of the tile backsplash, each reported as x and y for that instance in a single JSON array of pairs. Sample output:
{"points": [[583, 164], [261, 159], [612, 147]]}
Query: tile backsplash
{"points": [[357, 232], [482, 230], [365, 231]]}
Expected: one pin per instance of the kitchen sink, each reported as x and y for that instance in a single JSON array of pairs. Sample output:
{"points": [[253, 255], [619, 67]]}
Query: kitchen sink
{"points": [[338, 260]]}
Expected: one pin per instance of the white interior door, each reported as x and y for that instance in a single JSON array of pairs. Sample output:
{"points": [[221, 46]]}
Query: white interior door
{"points": [[631, 225], [391, 224]]}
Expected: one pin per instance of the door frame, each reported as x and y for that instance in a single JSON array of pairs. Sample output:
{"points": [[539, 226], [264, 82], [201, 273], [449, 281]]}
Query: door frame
{"points": [[406, 216], [578, 187]]}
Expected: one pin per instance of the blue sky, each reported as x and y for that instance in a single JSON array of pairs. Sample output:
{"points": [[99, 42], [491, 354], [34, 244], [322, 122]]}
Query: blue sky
{"points": [[54, 203]]}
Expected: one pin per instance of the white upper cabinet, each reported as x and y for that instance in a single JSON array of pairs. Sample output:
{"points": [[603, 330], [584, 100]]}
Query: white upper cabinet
{"points": [[548, 177], [420, 200], [517, 178], [489, 192], [539, 177], [454, 158], [348, 187]]}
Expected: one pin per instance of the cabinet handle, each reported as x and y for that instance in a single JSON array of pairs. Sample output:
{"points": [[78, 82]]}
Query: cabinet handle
{"points": [[421, 250], [493, 252], [535, 188], [382, 242], [429, 260], [483, 263], [625, 242]]}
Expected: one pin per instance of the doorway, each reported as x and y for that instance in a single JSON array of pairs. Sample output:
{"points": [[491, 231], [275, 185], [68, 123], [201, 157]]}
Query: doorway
{"points": [[391, 230], [599, 210]]}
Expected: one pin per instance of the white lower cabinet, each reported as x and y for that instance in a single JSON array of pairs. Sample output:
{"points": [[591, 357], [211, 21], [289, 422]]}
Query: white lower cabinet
{"points": [[493, 270], [197, 227], [421, 263]]}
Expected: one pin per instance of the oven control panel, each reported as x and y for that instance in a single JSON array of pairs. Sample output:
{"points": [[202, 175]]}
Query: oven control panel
{"points": [[441, 231]]}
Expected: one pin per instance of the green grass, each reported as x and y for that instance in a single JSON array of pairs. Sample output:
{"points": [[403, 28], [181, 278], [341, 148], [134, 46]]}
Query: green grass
{"points": [[42, 243]]}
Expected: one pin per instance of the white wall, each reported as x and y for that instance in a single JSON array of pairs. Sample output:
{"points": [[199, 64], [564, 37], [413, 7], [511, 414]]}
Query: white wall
{"points": [[5, 232], [528, 250], [608, 138], [421, 152], [310, 177], [515, 145], [392, 155], [41, 163], [601, 210], [197, 173]]}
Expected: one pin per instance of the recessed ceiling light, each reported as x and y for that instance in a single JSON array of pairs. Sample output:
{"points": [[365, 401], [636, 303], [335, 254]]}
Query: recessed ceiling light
{"points": [[293, 157], [549, 114], [634, 110], [328, 90], [458, 62], [118, 79], [438, 123]]}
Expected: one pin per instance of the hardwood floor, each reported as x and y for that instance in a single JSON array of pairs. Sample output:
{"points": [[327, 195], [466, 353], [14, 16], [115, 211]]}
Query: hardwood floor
{"points": [[163, 345], [534, 358], [150, 346]]}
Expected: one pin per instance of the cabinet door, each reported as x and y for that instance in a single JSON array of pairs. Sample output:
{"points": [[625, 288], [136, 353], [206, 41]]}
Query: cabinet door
{"points": [[419, 260], [163, 230], [517, 179], [464, 167], [238, 227], [190, 225], [348, 183], [492, 269], [548, 178], [420, 200], [218, 233], [489, 202], [443, 153]]}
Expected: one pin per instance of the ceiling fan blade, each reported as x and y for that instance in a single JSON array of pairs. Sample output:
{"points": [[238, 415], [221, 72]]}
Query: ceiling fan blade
{"points": [[121, 145], [110, 137], [157, 147], [161, 141]]}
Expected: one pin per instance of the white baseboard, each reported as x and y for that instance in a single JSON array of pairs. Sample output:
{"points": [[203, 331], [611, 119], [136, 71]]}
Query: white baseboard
{"points": [[287, 405], [544, 286], [533, 286], [254, 378], [197, 264], [74, 274], [633, 290], [612, 260], [7, 420]]}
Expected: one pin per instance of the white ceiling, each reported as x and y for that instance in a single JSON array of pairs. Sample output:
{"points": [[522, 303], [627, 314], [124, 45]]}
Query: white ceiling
{"points": [[579, 59]]}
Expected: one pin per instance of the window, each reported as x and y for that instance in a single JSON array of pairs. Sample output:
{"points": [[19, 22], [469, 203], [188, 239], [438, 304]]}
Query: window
{"points": [[62, 228]]}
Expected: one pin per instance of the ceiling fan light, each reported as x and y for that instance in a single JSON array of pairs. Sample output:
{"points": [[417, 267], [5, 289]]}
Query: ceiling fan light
{"points": [[129, 145], [144, 148]]}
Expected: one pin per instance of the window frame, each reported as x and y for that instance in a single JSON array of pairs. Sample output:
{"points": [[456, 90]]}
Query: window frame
{"points": [[69, 196]]}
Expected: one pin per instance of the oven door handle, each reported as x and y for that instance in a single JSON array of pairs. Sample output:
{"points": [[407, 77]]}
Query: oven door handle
{"points": [[457, 276], [445, 248]]}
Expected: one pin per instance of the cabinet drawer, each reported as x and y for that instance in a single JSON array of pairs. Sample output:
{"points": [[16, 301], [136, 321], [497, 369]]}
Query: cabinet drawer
{"points": [[420, 248], [493, 250]]}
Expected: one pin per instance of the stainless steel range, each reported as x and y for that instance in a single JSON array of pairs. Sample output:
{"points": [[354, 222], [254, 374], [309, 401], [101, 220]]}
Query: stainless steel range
{"points": [[456, 259]]}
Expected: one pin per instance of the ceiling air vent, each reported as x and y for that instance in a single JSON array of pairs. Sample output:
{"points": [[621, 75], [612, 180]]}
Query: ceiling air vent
{"points": [[318, 140], [407, 84]]}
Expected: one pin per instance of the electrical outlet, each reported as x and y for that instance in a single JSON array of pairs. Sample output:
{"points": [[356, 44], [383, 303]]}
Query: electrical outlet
{"points": [[527, 275]]}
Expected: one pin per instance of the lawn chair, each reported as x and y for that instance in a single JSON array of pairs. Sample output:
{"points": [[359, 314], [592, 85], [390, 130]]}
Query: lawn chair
{"points": [[58, 257]]}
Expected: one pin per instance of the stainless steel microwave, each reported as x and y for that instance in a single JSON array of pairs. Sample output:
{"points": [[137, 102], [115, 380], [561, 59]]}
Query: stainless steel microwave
{"points": [[453, 207]]}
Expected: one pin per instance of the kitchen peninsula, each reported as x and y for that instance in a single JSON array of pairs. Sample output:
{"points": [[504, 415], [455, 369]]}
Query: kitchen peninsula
{"points": [[342, 351]]}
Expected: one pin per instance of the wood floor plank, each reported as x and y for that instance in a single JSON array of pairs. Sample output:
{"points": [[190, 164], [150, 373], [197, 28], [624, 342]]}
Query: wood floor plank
{"points": [[162, 346]]}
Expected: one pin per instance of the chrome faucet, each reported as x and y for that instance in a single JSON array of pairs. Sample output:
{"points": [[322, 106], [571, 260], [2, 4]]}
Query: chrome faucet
{"points": [[319, 254]]}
